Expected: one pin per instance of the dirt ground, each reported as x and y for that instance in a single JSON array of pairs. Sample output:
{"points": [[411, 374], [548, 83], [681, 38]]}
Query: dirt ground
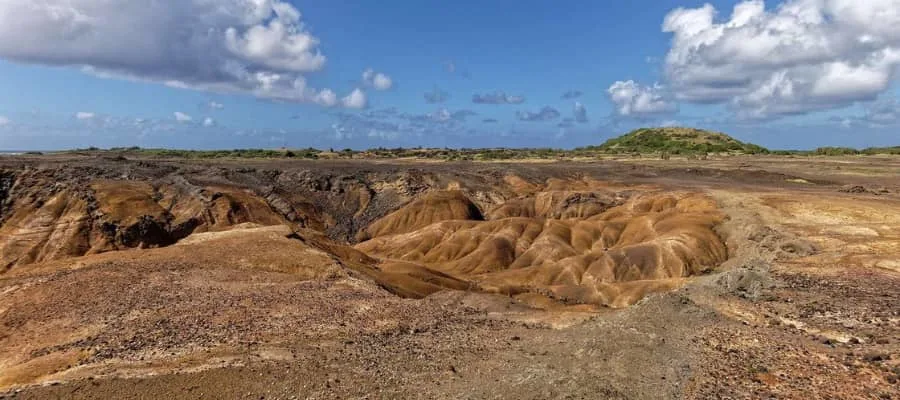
{"points": [[245, 279]]}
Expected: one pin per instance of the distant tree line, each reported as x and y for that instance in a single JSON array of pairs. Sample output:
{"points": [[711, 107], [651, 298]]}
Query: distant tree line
{"points": [[663, 142]]}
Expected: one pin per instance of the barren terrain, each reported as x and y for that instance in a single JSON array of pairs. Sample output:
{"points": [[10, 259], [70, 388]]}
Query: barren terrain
{"points": [[731, 277]]}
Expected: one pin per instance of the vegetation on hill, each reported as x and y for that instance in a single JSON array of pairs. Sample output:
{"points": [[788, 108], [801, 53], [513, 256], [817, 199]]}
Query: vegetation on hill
{"points": [[676, 141]]}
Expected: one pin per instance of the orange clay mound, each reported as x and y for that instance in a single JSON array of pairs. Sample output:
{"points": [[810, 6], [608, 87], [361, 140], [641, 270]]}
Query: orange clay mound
{"points": [[558, 204], [246, 246], [610, 258], [426, 210], [115, 215], [570, 241], [37, 231]]}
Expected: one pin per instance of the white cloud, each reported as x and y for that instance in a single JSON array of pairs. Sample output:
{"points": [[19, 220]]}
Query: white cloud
{"points": [[635, 100], [208, 122], [82, 115], [377, 80], [326, 98], [182, 117], [382, 82], [278, 45], [356, 99], [4, 121], [216, 106], [257, 47], [798, 57]]}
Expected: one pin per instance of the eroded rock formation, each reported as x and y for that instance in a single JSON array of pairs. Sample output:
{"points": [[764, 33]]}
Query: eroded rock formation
{"points": [[542, 239]]}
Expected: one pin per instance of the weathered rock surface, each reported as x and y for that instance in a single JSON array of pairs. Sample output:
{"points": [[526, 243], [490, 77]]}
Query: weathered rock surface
{"points": [[250, 278]]}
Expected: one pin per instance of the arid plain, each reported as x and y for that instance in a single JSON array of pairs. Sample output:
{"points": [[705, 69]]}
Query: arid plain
{"points": [[730, 277]]}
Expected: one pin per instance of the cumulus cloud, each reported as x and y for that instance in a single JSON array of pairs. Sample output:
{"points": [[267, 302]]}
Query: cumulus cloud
{"points": [[580, 113], [209, 122], [83, 115], [326, 98], [356, 99], [4, 121], [497, 97], [572, 94], [635, 100], [382, 82], [256, 47], [182, 117], [215, 106], [545, 114], [436, 96], [377, 80], [798, 57]]}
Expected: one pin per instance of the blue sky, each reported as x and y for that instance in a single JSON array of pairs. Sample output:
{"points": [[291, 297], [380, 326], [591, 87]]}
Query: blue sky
{"points": [[265, 73]]}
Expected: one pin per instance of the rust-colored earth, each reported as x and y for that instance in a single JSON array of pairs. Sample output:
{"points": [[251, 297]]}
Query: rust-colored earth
{"points": [[733, 277]]}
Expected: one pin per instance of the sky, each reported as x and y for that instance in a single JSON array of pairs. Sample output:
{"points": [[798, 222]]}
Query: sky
{"points": [[214, 74]]}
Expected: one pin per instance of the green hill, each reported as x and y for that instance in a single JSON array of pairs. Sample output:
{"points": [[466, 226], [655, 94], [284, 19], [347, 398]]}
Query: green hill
{"points": [[677, 141]]}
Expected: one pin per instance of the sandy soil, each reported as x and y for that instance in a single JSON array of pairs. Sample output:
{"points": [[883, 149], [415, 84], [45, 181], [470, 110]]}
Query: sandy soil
{"points": [[270, 295]]}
